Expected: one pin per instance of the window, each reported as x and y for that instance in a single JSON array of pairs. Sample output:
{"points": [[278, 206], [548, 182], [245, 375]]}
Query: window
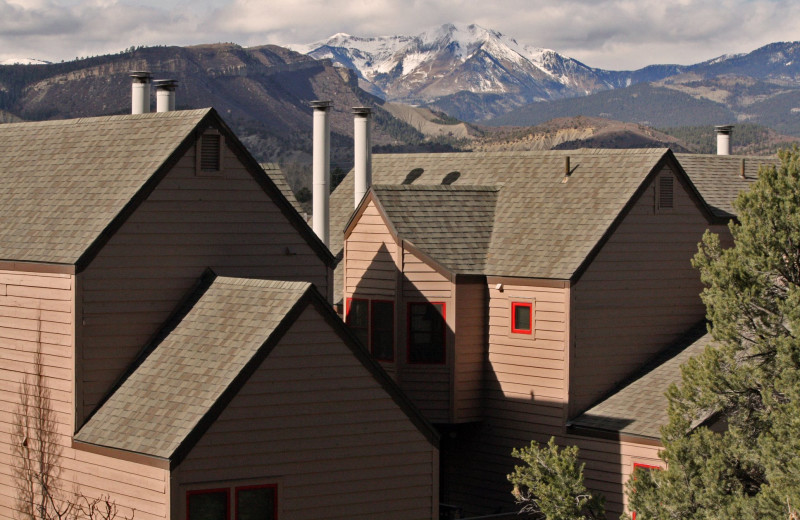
{"points": [[251, 502], [647, 467], [522, 317], [426, 332], [665, 193], [357, 318], [382, 334]]}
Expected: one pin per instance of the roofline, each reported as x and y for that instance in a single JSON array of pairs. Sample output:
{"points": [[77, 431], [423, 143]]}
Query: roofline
{"points": [[210, 119], [600, 433], [668, 158], [117, 453], [37, 267]]}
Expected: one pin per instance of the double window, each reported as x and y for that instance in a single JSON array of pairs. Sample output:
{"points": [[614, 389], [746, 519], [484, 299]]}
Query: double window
{"points": [[427, 332], [373, 322], [254, 502]]}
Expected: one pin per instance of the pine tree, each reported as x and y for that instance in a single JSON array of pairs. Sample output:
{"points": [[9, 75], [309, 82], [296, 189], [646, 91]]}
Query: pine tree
{"points": [[732, 444]]}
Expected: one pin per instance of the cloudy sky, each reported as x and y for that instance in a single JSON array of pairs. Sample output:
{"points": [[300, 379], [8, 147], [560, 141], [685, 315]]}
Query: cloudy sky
{"points": [[611, 34]]}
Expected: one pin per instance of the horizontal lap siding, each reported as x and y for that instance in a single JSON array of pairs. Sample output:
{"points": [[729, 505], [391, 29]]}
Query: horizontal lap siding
{"points": [[429, 385], [189, 223], [470, 351], [638, 296], [609, 465], [315, 421], [37, 312], [524, 398], [370, 251]]}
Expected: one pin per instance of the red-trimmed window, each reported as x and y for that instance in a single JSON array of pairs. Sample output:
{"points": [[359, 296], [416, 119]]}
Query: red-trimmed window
{"points": [[382, 330], [426, 332], [208, 504], [648, 467], [358, 318], [257, 502], [522, 317]]}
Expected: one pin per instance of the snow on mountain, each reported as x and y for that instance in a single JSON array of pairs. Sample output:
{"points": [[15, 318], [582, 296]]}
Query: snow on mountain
{"points": [[23, 61]]}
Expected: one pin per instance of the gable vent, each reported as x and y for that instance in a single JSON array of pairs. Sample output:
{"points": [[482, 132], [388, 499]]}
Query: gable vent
{"points": [[666, 194], [210, 153]]}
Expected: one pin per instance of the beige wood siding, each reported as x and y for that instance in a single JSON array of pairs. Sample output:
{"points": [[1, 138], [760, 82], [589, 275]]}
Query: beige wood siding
{"points": [[370, 267], [609, 465], [313, 420], [525, 395], [639, 294], [470, 350], [37, 312], [188, 223]]}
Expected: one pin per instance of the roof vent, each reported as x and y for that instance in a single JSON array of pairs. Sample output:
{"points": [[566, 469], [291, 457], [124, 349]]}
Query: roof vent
{"points": [[567, 169], [165, 94], [666, 195], [742, 174]]}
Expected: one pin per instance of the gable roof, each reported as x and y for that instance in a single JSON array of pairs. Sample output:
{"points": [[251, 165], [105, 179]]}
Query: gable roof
{"points": [[719, 180], [639, 407], [66, 186], [202, 358], [273, 170], [452, 224], [542, 226]]}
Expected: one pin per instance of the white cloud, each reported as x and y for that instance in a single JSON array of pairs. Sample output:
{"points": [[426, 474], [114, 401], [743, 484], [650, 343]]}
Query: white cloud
{"points": [[606, 34]]}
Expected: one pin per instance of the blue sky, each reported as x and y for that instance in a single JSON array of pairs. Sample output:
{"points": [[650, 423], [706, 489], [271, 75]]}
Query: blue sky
{"points": [[611, 34]]}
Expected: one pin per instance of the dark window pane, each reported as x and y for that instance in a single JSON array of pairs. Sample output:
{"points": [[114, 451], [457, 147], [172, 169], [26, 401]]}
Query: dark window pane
{"points": [[426, 334], [208, 505], [357, 319], [522, 317], [256, 503], [383, 330]]}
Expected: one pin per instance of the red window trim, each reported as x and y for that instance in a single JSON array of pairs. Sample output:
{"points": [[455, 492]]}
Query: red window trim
{"points": [[256, 486], [394, 324], [225, 490], [514, 328], [643, 466], [349, 304], [408, 333]]}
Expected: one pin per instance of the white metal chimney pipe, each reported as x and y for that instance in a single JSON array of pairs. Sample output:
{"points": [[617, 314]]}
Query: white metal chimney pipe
{"points": [[140, 92], [362, 153], [321, 171], [165, 94], [724, 139]]}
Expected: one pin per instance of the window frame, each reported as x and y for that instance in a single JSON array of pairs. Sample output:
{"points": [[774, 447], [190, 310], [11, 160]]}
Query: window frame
{"points": [[353, 329], [208, 491], [514, 305], [272, 486], [231, 490], [643, 466], [443, 315], [372, 329]]}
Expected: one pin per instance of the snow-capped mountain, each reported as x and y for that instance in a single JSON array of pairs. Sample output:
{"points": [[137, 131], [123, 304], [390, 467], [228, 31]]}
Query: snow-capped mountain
{"points": [[457, 58], [23, 61]]}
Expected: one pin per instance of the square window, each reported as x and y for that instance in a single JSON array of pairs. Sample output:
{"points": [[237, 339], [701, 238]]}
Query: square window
{"points": [[358, 319], [212, 504], [522, 317], [426, 332], [256, 503], [382, 334]]}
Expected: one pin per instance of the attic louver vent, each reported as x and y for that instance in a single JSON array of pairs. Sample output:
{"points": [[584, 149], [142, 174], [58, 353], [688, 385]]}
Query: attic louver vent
{"points": [[209, 153], [665, 192]]}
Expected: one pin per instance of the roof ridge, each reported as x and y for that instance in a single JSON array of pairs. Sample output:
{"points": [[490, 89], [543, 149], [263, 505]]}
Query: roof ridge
{"points": [[174, 114], [437, 187], [264, 283]]}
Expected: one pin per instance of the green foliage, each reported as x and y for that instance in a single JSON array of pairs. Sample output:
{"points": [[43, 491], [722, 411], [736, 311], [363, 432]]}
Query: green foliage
{"points": [[550, 484], [748, 383]]}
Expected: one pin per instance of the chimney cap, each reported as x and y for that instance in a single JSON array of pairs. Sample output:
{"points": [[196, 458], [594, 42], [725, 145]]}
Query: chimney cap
{"points": [[322, 105], [724, 129], [362, 111], [166, 84], [140, 76]]}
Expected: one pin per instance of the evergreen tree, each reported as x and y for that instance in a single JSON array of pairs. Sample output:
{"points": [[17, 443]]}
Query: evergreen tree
{"points": [[550, 484], [746, 386]]}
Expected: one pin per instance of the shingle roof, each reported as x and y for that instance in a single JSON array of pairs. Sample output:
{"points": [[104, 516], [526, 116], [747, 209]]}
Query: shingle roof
{"points": [[63, 182], [543, 227], [164, 399], [273, 170], [452, 224], [718, 177], [640, 407]]}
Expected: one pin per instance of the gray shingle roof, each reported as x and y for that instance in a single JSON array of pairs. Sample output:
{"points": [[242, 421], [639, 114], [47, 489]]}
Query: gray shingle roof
{"points": [[164, 399], [452, 224], [63, 182], [718, 177], [640, 407], [543, 227], [273, 170]]}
